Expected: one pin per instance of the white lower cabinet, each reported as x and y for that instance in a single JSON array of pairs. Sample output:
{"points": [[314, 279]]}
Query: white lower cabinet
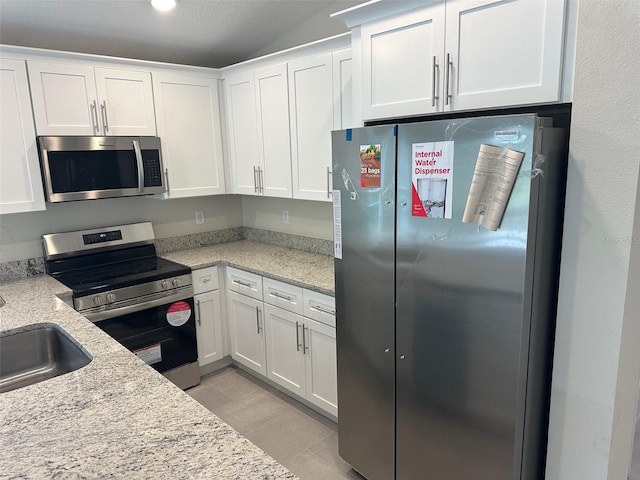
{"points": [[321, 365], [245, 316], [208, 315]]}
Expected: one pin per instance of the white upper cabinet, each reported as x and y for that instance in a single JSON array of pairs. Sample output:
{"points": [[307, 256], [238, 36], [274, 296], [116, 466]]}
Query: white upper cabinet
{"points": [[311, 113], [76, 99], [20, 181], [258, 130], [504, 52], [342, 90], [459, 55], [400, 62], [188, 118]]}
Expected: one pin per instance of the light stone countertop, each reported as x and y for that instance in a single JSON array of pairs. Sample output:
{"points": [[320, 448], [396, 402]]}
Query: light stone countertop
{"points": [[306, 270], [114, 418]]}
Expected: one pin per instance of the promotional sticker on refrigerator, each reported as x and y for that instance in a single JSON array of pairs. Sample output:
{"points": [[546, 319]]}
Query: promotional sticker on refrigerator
{"points": [[370, 166], [432, 179]]}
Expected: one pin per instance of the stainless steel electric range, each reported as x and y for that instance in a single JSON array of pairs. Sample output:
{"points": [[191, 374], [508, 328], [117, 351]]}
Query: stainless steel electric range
{"points": [[141, 300]]}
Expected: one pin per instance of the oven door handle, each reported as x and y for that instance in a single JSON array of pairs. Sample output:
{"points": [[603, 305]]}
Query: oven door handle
{"points": [[156, 300]]}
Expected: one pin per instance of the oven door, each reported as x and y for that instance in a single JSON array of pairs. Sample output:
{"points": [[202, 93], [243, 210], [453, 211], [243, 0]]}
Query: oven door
{"points": [[85, 168], [163, 336]]}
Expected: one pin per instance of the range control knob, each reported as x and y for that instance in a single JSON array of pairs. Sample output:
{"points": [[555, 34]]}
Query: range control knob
{"points": [[98, 300], [111, 297], [175, 282], [165, 284]]}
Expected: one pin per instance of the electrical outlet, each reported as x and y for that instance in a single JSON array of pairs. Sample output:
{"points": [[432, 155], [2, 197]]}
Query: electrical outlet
{"points": [[199, 217], [285, 216]]}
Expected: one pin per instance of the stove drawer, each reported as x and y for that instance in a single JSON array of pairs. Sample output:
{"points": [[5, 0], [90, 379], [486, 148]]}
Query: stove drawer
{"points": [[205, 280]]}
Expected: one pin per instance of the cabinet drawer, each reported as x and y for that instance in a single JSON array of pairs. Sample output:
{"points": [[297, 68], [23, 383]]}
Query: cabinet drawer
{"points": [[283, 295], [319, 307], [246, 283], [205, 280]]}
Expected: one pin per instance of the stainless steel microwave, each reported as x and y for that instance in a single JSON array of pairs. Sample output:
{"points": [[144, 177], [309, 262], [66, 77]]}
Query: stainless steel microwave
{"points": [[85, 168]]}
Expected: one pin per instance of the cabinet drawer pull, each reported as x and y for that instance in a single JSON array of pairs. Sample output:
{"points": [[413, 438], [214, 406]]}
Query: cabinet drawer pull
{"points": [[260, 181], [298, 337], [323, 310], [255, 180], [198, 312], [434, 96], [283, 297], [244, 284], [328, 182], [205, 279], [166, 180]]}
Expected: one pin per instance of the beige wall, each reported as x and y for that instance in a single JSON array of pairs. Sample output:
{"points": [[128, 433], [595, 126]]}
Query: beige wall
{"points": [[593, 399]]}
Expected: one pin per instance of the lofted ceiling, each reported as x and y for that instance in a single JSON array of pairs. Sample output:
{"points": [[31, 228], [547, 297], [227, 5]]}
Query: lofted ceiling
{"points": [[209, 33]]}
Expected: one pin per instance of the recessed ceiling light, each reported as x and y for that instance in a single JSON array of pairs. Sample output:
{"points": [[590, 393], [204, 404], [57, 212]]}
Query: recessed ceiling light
{"points": [[163, 5]]}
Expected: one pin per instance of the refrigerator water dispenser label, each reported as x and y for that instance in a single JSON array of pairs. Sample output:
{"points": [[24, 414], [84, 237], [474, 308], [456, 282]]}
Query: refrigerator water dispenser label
{"points": [[432, 179], [337, 224], [370, 156]]}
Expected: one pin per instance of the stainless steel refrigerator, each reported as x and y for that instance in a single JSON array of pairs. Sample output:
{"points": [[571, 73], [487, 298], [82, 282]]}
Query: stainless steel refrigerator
{"points": [[444, 326]]}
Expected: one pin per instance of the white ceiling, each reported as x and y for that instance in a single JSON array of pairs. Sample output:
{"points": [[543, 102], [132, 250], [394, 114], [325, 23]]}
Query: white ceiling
{"points": [[210, 33]]}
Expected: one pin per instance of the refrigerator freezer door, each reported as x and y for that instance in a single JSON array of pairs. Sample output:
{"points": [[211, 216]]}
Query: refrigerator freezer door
{"points": [[365, 298], [461, 314]]}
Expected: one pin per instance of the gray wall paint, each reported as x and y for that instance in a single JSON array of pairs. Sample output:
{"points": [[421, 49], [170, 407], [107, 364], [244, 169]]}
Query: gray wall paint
{"points": [[592, 399], [20, 234]]}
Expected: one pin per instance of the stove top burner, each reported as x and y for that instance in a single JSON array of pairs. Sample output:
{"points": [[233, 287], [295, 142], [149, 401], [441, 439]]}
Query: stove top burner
{"points": [[96, 279]]}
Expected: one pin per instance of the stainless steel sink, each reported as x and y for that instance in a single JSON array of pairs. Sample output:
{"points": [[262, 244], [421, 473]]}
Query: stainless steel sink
{"points": [[38, 354]]}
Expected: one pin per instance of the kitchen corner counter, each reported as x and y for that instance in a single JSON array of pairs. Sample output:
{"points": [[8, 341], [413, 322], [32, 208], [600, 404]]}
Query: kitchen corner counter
{"points": [[306, 270], [116, 417]]}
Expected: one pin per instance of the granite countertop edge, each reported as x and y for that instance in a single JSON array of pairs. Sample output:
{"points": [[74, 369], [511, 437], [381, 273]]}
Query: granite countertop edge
{"points": [[117, 416]]}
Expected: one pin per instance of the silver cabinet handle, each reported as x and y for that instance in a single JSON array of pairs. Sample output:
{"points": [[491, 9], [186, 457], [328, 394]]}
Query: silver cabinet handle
{"points": [[255, 180], [258, 319], [447, 94], [328, 182], [261, 179], [305, 347], [166, 180], [323, 310], [244, 284], [434, 96], [94, 117], [198, 312], [297, 337], [105, 122], [284, 297], [138, 152]]}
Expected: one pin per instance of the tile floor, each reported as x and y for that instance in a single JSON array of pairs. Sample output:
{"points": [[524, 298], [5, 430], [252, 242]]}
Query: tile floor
{"points": [[300, 439]]}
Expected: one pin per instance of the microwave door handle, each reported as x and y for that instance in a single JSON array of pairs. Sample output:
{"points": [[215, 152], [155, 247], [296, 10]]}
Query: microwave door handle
{"points": [[138, 152]]}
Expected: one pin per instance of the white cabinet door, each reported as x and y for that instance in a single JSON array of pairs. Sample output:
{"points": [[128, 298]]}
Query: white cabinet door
{"points": [[319, 341], [273, 132], [20, 182], [401, 60], [208, 327], [285, 352], [188, 119], [311, 117], [246, 328], [342, 90], [125, 102], [242, 124], [64, 99], [519, 63]]}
